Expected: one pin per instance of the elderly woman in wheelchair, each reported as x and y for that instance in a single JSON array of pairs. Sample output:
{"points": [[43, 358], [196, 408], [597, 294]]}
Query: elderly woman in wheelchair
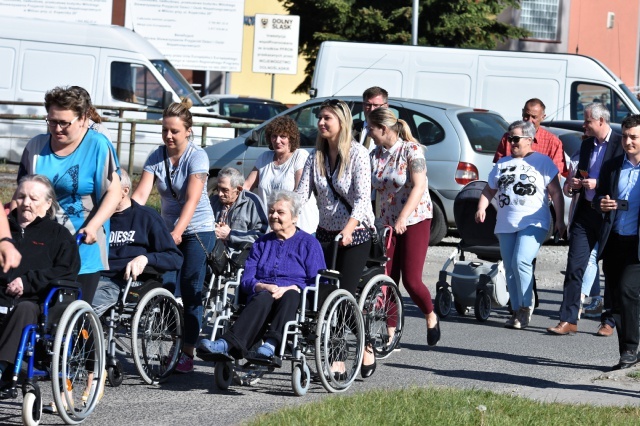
{"points": [[280, 265], [30, 296]]}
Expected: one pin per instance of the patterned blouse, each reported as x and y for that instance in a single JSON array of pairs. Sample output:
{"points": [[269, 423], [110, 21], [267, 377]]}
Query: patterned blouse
{"points": [[391, 179], [354, 186]]}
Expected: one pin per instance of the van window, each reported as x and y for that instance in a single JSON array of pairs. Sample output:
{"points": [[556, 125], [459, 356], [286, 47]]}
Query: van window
{"points": [[583, 94], [484, 130], [177, 82], [135, 83]]}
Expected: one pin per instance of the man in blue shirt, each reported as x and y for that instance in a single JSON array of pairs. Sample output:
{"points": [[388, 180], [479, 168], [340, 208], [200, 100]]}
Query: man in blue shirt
{"points": [[618, 197]]}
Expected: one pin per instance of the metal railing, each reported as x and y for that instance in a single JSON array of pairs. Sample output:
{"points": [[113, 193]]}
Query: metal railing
{"points": [[239, 124]]}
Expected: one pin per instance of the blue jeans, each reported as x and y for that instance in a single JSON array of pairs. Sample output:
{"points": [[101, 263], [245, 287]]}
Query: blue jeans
{"points": [[518, 249], [191, 277], [591, 277]]}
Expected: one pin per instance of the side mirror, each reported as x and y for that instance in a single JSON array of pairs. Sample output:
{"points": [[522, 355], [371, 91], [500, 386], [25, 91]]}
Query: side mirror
{"points": [[167, 98]]}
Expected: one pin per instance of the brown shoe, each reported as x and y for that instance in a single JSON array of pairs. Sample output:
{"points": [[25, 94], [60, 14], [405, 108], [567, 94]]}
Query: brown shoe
{"points": [[563, 328], [604, 330]]}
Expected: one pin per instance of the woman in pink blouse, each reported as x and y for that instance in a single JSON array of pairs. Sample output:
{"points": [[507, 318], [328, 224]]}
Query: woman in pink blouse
{"points": [[399, 177]]}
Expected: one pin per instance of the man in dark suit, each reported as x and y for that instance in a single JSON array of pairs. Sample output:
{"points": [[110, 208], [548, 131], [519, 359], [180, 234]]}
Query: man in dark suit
{"points": [[618, 197], [602, 145], [373, 98]]}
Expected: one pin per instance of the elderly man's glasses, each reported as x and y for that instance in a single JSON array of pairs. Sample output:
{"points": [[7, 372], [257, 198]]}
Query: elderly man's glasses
{"points": [[63, 124], [516, 139]]}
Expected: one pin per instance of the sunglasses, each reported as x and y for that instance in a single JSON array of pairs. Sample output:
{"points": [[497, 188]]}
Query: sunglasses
{"points": [[516, 139], [334, 103]]}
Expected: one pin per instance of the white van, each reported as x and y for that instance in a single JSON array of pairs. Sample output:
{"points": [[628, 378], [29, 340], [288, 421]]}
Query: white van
{"points": [[116, 66], [501, 81]]}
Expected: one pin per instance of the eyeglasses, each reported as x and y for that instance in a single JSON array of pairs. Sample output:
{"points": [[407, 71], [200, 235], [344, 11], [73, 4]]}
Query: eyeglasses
{"points": [[63, 124], [516, 139], [369, 105]]}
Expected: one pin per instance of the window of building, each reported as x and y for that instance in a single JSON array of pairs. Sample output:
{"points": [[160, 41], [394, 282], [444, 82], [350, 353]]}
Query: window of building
{"points": [[540, 17]]}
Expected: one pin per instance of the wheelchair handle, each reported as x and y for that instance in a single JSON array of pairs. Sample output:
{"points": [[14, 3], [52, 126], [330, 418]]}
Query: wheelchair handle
{"points": [[80, 238], [334, 256]]}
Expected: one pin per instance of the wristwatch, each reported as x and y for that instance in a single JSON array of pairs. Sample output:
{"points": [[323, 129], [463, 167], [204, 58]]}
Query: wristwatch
{"points": [[8, 239]]}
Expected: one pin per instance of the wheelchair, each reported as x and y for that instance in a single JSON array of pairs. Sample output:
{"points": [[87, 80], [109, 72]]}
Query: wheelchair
{"points": [[146, 323], [380, 300], [330, 333], [65, 346]]}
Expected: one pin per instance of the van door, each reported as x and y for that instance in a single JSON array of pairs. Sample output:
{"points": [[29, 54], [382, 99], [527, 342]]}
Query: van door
{"points": [[43, 66], [132, 83], [8, 80], [505, 83]]}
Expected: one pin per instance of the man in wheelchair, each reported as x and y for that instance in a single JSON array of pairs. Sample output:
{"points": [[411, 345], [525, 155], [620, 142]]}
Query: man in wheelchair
{"points": [[280, 264], [139, 238], [49, 254]]}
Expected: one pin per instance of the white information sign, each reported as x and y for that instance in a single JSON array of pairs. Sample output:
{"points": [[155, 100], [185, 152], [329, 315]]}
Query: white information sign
{"points": [[87, 11], [275, 44], [193, 34]]}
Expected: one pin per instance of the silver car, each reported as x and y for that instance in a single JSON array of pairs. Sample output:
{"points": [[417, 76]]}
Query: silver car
{"points": [[460, 143]]}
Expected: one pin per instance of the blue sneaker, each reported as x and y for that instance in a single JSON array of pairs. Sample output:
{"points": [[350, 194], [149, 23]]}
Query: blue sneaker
{"points": [[214, 351], [267, 350]]}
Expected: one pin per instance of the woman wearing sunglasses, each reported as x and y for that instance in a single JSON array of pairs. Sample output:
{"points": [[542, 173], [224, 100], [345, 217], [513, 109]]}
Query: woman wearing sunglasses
{"points": [[522, 182]]}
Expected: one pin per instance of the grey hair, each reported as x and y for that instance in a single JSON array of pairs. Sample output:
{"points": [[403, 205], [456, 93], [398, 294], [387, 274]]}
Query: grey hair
{"points": [[50, 193], [527, 127], [288, 196], [598, 110], [235, 177], [125, 180]]}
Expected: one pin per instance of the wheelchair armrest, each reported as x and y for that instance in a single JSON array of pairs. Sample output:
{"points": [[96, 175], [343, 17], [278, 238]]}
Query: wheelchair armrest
{"points": [[330, 274], [63, 283]]}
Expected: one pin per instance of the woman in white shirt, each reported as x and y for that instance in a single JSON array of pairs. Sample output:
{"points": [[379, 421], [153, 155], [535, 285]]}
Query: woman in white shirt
{"points": [[282, 168]]}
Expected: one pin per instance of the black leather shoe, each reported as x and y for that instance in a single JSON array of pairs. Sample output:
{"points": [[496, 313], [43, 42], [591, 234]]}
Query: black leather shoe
{"points": [[368, 370], [433, 334], [628, 358]]}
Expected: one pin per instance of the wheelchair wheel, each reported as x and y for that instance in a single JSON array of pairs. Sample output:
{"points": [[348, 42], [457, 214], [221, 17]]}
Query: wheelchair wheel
{"points": [[31, 409], [157, 336], [115, 375], [300, 379], [339, 342], [381, 300], [78, 363], [482, 308], [443, 303], [223, 375]]}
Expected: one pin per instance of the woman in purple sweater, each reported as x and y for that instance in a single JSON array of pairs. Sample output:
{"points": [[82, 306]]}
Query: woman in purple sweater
{"points": [[280, 265]]}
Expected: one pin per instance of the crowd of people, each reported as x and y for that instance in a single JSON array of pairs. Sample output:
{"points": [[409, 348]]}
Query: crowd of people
{"points": [[303, 203]]}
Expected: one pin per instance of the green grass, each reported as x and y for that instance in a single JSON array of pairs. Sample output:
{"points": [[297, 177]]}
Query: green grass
{"points": [[441, 406]]}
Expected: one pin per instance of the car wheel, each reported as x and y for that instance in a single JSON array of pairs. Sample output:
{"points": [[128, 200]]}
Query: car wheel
{"points": [[438, 225]]}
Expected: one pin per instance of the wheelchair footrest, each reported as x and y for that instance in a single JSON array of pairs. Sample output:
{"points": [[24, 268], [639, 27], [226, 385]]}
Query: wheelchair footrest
{"points": [[257, 359], [215, 357]]}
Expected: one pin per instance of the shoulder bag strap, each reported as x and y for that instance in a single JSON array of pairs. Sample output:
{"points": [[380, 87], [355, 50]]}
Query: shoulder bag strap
{"points": [[168, 173]]}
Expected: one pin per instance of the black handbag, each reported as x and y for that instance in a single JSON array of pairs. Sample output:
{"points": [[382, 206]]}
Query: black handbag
{"points": [[218, 258]]}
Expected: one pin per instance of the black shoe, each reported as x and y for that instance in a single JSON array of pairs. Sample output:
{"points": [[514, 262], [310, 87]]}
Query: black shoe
{"points": [[340, 377], [433, 334], [368, 370], [628, 358]]}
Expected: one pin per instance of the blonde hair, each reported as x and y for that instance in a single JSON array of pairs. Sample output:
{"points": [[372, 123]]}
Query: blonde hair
{"points": [[385, 117], [341, 110], [181, 110]]}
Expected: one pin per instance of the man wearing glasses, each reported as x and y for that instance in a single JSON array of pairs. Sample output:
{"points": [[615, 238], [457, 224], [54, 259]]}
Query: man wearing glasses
{"points": [[618, 197], [602, 145], [373, 98]]}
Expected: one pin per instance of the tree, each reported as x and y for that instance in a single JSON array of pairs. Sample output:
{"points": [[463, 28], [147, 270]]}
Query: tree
{"points": [[448, 23]]}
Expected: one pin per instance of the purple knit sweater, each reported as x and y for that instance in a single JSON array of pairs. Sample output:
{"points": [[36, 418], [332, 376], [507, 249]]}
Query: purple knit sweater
{"points": [[295, 261]]}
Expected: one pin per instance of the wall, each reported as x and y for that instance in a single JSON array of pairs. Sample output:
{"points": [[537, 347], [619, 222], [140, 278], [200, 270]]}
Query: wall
{"points": [[618, 48]]}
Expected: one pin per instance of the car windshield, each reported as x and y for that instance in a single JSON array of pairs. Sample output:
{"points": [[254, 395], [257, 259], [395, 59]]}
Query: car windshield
{"points": [[177, 81], [248, 109], [484, 130]]}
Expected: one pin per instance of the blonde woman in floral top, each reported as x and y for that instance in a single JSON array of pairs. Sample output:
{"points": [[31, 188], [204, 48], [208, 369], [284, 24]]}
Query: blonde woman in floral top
{"points": [[399, 177]]}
